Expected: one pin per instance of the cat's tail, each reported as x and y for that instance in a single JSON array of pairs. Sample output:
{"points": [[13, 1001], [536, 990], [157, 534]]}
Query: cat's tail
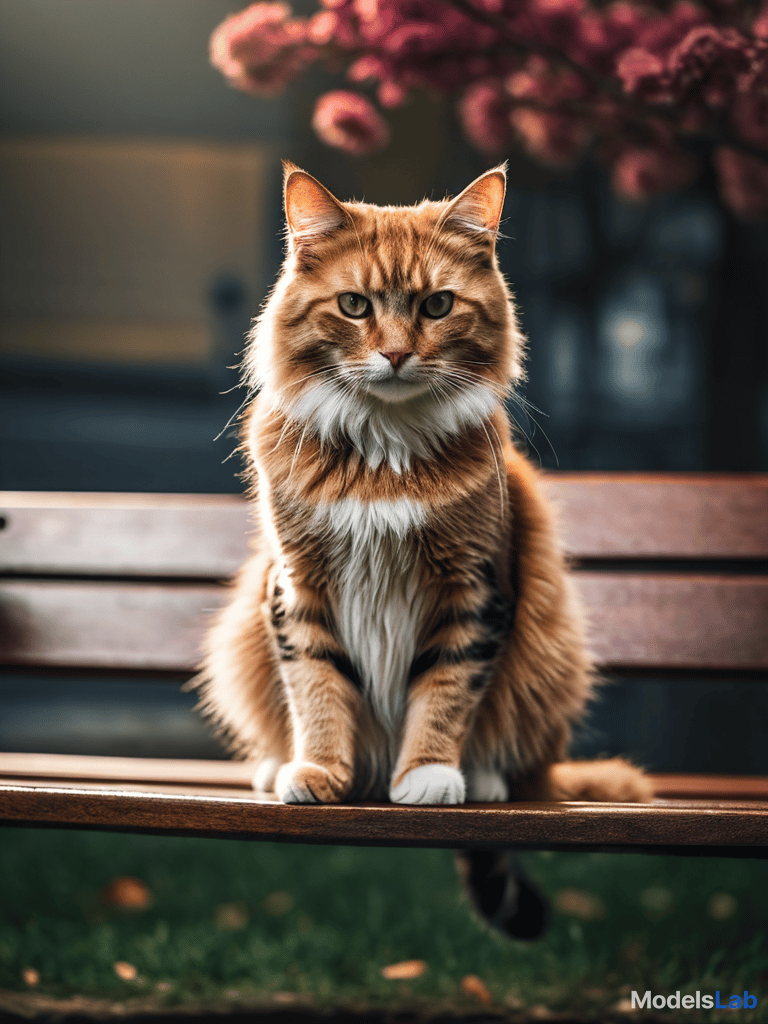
{"points": [[495, 881], [611, 780], [502, 893]]}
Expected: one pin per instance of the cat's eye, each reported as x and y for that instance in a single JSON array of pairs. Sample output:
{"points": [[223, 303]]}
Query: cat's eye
{"points": [[437, 305], [354, 305]]}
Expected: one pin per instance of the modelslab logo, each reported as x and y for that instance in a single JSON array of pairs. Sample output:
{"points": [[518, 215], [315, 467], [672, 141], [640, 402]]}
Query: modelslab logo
{"points": [[690, 1002]]}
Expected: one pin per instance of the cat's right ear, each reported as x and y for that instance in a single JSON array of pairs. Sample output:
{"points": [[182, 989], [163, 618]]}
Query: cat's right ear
{"points": [[310, 209]]}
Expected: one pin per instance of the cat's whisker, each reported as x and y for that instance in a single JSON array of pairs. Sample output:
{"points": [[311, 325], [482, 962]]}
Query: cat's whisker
{"points": [[526, 402], [315, 373], [297, 451], [516, 398], [526, 435], [246, 401], [498, 471], [289, 424]]}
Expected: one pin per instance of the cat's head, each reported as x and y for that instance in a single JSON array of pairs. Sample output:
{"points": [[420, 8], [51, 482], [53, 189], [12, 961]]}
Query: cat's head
{"points": [[396, 311]]}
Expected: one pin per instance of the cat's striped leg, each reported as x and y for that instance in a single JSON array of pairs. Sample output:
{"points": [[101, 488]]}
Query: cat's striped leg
{"points": [[439, 706], [450, 677], [323, 701]]}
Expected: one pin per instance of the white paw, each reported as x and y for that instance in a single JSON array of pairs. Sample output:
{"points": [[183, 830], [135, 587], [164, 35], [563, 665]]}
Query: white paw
{"points": [[485, 786], [263, 780], [429, 784]]}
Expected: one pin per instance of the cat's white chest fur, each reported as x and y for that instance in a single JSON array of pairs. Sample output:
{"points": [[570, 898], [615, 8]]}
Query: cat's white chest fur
{"points": [[378, 598]]}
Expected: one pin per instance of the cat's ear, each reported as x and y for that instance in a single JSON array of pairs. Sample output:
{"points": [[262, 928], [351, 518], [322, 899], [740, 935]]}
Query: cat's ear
{"points": [[478, 208], [310, 209]]}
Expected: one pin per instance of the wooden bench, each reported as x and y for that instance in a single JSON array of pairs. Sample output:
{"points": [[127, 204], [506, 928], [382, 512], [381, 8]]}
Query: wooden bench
{"points": [[673, 571]]}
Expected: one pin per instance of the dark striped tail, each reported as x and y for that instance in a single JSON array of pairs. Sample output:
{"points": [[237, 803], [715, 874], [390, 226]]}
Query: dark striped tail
{"points": [[502, 893]]}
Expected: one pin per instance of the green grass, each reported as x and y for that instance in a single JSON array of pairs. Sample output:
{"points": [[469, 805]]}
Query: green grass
{"points": [[345, 913]]}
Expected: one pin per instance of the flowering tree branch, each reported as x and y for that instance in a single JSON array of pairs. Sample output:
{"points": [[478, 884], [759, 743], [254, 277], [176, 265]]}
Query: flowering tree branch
{"points": [[651, 90], [634, 111]]}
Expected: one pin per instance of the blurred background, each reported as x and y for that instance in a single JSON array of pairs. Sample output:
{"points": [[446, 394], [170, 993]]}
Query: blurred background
{"points": [[140, 229]]}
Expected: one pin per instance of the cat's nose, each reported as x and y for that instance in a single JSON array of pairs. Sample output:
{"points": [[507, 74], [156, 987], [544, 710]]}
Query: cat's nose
{"points": [[396, 358]]}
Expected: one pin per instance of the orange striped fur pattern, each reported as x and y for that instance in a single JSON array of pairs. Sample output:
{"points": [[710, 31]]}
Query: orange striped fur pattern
{"points": [[406, 628]]}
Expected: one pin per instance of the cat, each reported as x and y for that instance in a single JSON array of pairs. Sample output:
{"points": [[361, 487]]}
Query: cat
{"points": [[406, 628]]}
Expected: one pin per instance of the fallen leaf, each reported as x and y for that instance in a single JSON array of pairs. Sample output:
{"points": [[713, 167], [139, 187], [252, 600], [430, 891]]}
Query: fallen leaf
{"points": [[126, 971], [657, 901], [581, 904], [278, 903], [405, 969], [128, 893], [721, 906], [230, 917], [540, 1012], [30, 976], [624, 1005], [473, 986]]}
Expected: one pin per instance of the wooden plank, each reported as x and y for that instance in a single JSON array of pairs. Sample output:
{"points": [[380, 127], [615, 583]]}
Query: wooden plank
{"points": [[196, 536], [123, 626], [671, 622], [711, 787], [658, 622], [205, 536], [77, 768], [167, 770], [662, 516], [740, 827]]}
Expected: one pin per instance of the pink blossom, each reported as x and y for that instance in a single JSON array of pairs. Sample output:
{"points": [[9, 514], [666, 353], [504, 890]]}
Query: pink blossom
{"points": [[365, 68], [350, 122], [712, 59], [390, 94], [261, 49], [322, 27], [641, 173], [484, 114], [639, 70], [743, 183], [554, 139]]}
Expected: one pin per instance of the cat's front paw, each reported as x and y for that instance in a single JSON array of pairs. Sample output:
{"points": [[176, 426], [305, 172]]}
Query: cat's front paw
{"points": [[303, 782], [429, 784]]}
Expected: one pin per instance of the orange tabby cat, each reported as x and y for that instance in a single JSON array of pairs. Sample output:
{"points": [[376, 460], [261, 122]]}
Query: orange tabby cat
{"points": [[406, 627]]}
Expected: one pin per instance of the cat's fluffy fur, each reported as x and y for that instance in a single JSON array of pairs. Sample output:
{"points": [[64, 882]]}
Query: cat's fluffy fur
{"points": [[406, 627]]}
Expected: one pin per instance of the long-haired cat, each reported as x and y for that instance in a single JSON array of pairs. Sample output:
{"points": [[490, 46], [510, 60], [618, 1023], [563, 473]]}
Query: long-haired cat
{"points": [[406, 628]]}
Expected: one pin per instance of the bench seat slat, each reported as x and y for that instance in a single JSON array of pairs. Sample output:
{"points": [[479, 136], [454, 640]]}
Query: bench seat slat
{"points": [[78, 768], [212, 811], [651, 622]]}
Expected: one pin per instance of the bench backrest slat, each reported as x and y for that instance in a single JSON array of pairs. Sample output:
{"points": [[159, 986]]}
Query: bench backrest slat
{"points": [[672, 570], [655, 622], [603, 516]]}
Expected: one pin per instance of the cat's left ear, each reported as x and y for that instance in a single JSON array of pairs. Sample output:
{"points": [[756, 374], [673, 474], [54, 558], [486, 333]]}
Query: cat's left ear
{"points": [[310, 209], [478, 208]]}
